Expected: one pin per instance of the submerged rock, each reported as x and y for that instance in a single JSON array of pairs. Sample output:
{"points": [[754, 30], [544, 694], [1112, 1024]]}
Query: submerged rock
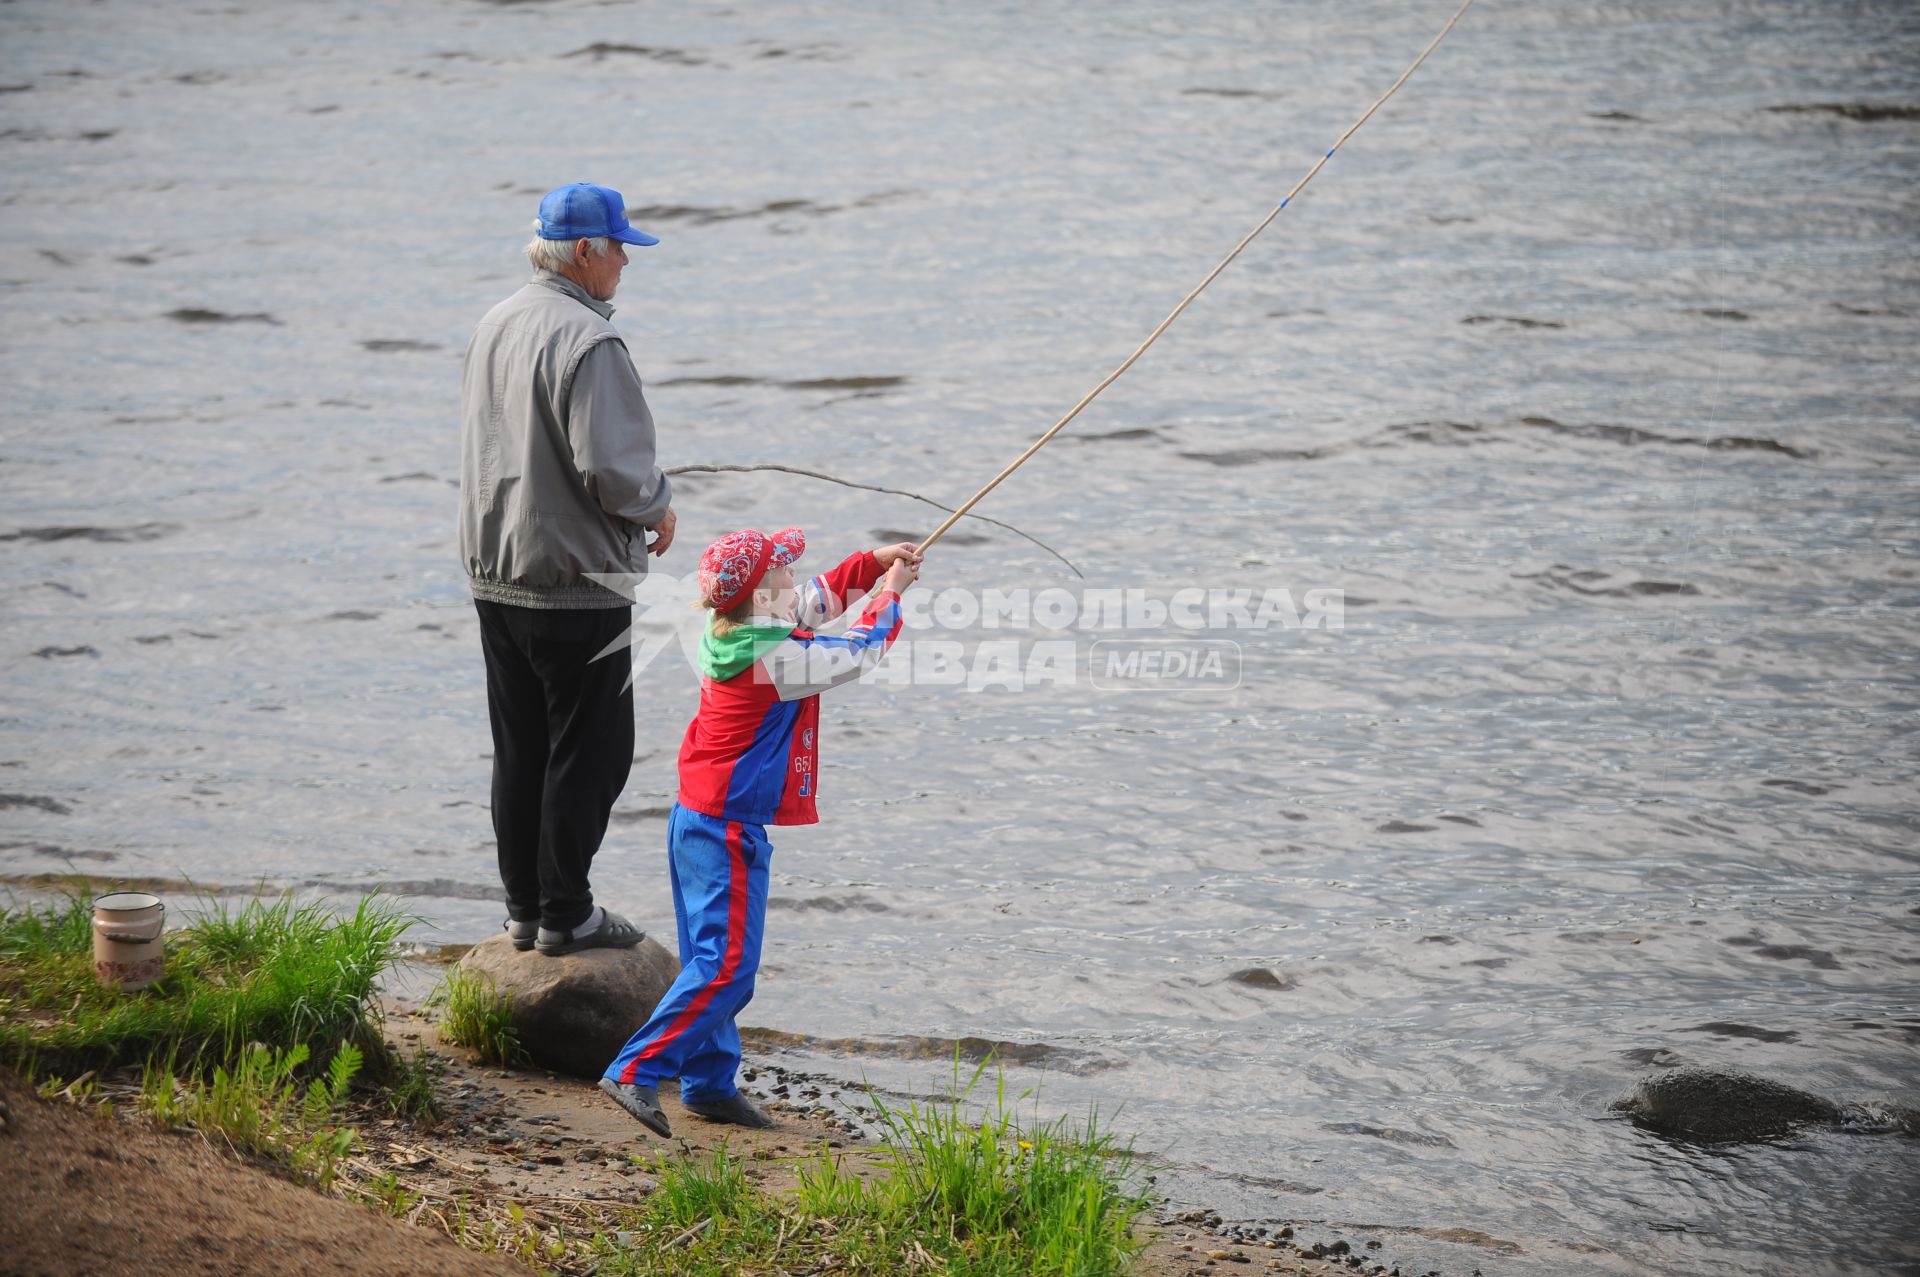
{"points": [[1726, 1106], [1264, 978], [574, 1013]]}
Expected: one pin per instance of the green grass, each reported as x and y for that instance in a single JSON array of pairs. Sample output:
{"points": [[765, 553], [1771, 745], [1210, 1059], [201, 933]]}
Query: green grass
{"points": [[34, 936], [389, 1193], [476, 1015], [982, 1198], [256, 1107], [997, 1199], [412, 1085], [262, 1023], [272, 972]]}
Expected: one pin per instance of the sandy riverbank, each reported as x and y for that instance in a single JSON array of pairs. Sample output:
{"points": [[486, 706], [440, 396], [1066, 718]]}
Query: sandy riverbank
{"points": [[113, 1194]]}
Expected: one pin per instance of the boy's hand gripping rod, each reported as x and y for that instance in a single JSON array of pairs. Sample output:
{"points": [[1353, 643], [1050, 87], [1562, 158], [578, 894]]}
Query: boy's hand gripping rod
{"points": [[1154, 336]]}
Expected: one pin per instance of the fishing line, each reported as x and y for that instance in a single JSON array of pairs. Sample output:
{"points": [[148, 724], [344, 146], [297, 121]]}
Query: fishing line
{"points": [[1154, 336], [714, 467]]}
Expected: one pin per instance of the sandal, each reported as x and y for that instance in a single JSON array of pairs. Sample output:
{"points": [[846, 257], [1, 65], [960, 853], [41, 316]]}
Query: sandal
{"points": [[641, 1101], [614, 932], [735, 1110]]}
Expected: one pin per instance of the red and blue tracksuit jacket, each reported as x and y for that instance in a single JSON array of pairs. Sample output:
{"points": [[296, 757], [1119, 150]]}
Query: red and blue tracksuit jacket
{"points": [[751, 758], [752, 752]]}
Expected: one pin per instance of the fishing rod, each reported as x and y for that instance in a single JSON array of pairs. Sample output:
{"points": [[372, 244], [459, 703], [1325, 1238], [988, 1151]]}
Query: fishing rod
{"points": [[1154, 336]]}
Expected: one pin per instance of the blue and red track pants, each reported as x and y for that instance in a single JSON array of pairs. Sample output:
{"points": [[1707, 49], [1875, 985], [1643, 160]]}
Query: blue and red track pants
{"points": [[719, 870]]}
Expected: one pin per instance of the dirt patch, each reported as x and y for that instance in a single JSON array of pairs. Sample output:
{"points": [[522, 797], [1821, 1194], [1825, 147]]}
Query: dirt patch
{"points": [[530, 1134], [93, 1194]]}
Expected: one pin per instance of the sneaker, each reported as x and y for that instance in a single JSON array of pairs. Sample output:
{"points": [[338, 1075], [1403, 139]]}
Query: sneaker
{"points": [[614, 932], [522, 934], [641, 1101], [735, 1110]]}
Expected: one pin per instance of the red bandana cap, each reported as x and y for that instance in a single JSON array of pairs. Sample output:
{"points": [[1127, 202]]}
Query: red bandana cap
{"points": [[734, 564]]}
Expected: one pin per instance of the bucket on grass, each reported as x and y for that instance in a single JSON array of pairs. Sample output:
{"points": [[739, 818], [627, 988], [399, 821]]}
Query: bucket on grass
{"points": [[127, 950]]}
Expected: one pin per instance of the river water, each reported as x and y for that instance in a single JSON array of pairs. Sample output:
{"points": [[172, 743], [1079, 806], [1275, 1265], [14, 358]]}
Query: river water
{"points": [[1585, 373]]}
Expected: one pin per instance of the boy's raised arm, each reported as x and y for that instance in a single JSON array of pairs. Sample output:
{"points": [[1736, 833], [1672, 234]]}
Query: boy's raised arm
{"points": [[826, 596], [802, 667]]}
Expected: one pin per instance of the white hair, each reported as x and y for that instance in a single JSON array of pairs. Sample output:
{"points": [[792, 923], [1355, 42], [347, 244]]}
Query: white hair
{"points": [[556, 255]]}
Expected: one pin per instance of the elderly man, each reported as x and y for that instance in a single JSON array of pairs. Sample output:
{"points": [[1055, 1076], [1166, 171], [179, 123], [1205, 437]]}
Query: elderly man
{"points": [[558, 481]]}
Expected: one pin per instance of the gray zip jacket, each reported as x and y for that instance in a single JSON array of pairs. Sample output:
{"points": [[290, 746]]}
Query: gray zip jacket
{"points": [[557, 473]]}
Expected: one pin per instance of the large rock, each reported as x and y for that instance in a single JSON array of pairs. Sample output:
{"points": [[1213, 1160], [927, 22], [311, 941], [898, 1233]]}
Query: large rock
{"points": [[1715, 1106], [575, 1013]]}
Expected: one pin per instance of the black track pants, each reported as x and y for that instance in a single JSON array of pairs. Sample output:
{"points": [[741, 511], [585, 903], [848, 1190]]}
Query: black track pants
{"points": [[562, 748]]}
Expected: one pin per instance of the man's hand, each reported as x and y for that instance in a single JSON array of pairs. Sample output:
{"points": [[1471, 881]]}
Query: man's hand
{"points": [[892, 554], [663, 533]]}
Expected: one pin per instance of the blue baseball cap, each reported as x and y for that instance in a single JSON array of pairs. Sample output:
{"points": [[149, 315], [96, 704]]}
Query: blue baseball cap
{"points": [[581, 210]]}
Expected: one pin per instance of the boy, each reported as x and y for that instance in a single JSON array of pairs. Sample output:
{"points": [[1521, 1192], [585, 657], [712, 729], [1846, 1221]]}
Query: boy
{"points": [[750, 758]]}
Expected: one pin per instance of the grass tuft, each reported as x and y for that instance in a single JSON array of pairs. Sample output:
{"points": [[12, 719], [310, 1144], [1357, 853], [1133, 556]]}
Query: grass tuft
{"points": [[985, 1198], [30, 936], [255, 1107], [1001, 1199], [411, 1084], [476, 1015], [274, 972]]}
